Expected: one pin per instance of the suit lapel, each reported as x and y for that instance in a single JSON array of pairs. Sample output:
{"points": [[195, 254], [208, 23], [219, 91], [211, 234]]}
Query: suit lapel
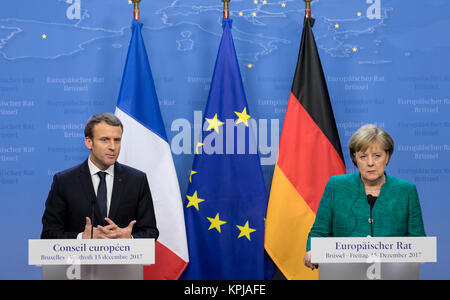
{"points": [[117, 191], [88, 190]]}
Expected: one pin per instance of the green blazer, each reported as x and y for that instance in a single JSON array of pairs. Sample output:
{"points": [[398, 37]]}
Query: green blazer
{"points": [[344, 212]]}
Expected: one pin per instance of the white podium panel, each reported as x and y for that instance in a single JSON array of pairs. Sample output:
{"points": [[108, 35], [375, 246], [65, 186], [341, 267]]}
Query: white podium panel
{"points": [[370, 271], [372, 257], [373, 249], [92, 259]]}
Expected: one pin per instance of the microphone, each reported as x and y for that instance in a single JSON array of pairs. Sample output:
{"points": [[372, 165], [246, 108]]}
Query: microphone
{"points": [[93, 203], [371, 200]]}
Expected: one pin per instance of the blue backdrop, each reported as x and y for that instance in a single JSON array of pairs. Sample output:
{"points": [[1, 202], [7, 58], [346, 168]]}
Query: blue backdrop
{"points": [[385, 61]]}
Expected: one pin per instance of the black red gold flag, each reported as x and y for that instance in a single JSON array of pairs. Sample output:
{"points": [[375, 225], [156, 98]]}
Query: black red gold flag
{"points": [[309, 154]]}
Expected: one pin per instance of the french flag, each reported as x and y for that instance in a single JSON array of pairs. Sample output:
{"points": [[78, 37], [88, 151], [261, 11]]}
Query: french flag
{"points": [[145, 147]]}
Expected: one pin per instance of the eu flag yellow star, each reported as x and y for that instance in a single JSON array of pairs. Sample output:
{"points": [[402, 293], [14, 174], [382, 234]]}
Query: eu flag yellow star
{"points": [[194, 200], [216, 223], [243, 117], [214, 123], [190, 176], [198, 146], [245, 231]]}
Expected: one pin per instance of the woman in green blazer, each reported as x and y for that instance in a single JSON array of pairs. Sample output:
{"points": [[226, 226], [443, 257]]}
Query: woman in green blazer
{"points": [[369, 202]]}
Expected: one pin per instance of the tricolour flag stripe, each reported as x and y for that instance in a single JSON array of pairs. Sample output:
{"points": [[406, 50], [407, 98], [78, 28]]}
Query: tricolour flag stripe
{"points": [[137, 96], [171, 268], [309, 87], [295, 217], [309, 154], [145, 147], [141, 145], [313, 153]]}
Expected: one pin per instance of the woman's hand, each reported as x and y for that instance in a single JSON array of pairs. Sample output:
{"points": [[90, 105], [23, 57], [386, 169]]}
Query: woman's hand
{"points": [[307, 260]]}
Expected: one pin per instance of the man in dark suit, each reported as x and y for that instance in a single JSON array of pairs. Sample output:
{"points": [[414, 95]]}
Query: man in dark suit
{"points": [[118, 195]]}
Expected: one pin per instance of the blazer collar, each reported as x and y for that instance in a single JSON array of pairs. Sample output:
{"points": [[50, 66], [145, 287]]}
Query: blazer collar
{"points": [[93, 169], [89, 193], [357, 180], [118, 185], [87, 188]]}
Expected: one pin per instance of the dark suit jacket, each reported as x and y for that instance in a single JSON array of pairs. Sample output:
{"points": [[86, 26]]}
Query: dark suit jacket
{"points": [[72, 194]]}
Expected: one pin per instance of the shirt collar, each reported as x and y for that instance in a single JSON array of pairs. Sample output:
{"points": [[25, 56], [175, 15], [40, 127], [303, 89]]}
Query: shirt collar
{"points": [[93, 169]]}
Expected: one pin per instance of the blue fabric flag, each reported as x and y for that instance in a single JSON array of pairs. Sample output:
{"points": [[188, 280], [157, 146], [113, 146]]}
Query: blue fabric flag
{"points": [[226, 201], [145, 147], [137, 96]]}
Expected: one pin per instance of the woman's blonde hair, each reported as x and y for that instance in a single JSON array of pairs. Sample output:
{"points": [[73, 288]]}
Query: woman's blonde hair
{"points": [[365, 136]]}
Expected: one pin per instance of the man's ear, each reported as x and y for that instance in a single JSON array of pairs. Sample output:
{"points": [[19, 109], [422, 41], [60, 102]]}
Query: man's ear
{"points": [[88, 142]]}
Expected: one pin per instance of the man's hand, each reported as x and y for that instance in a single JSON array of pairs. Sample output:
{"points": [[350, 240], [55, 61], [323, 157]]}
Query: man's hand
{"points": [[112, 231], [87, 230]]}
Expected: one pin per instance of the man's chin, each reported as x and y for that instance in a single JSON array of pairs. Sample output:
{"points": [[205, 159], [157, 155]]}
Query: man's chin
{"points": [[109, 161]]}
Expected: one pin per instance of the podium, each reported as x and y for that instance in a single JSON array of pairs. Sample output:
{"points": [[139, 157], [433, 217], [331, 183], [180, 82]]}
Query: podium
{"points": [[65, 259], [387, 258]]}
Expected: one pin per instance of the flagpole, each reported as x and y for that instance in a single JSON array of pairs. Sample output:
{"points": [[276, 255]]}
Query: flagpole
{"points": [[136, 10], [226, 11], [308, 9]]}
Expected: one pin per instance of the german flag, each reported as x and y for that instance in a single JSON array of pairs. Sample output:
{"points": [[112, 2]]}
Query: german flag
{"points": [[309, 154]]}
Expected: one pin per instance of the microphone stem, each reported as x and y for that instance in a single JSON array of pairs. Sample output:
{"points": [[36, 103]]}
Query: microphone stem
{"points": [[92, 218]]}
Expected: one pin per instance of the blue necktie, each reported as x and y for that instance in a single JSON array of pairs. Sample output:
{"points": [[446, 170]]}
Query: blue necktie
{"points": [[101, 195]]}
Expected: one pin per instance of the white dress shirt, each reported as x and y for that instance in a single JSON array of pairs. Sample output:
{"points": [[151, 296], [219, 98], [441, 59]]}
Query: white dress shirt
{"points": [[109, 178]]}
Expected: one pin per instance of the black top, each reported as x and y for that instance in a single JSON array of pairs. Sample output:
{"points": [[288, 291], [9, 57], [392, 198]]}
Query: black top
{"points": [[371, 200]]}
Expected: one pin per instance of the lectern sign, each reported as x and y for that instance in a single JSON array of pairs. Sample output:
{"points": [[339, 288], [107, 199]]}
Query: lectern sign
{"points": [[373, 249], [91, 252]]}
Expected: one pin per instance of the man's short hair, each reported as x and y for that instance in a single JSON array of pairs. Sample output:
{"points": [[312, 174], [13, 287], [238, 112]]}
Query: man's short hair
{"points": [[109, 118]]}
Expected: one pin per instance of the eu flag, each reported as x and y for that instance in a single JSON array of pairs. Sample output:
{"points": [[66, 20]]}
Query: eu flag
{"points": [[226, 200]]}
